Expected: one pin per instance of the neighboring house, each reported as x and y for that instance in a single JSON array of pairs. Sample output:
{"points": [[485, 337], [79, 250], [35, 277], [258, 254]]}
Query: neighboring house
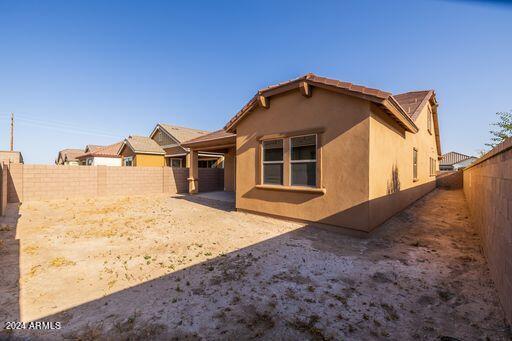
{"points": [[101, 155], [170, 137], [455, 161], [7, 156], [325, 151], [141, 151], [68, 157]]}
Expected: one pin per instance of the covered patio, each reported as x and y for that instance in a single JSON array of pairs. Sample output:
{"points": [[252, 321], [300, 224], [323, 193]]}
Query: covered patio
{"points": [[221, 142]]}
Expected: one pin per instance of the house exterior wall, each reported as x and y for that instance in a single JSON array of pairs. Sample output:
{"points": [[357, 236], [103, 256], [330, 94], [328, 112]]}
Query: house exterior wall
{"points": [[392, 186], [149, 160], [488, 191], [143, 160], [107, 161], [344, 158], [162, 138]]}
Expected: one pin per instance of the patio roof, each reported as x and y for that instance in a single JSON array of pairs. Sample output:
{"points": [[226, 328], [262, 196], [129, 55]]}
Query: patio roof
{"points": [[217, 139]]}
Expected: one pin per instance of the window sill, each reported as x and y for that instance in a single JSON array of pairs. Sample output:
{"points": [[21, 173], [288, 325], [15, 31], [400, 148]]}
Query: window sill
{"points": [[299, 189]]}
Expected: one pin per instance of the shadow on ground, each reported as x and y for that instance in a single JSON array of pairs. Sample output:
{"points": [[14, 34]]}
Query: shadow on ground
{"points": [[421, 276]]}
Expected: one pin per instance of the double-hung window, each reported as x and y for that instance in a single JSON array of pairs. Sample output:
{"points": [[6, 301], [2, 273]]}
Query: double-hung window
{"points": [[128, 161], [273, 162], [303, 160]]}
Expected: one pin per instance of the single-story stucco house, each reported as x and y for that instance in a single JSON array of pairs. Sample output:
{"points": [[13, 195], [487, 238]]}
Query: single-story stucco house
{"points": [[320, 150], [141, 151], [101, 155], [455, 161], [170, 137]]}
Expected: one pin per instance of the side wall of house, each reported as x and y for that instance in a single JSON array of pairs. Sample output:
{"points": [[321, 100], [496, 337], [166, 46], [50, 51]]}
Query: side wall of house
{"points": [[392, 186], [344, 158], [107, 161], [488, 190], [149, 160]]}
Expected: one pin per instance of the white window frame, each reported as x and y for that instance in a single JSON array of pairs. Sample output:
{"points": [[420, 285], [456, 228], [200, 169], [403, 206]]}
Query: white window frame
{"points": [[176, 158], [302, 161], [89, 161], [128, 158], [263, 162]]}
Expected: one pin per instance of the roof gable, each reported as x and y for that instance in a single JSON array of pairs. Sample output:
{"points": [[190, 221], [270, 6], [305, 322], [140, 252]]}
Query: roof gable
{"points": [[177, 133], [381, 98], [142, 145]]}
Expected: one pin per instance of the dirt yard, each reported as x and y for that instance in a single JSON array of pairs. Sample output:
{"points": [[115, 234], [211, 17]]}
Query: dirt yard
{"points": [[189, 268]]}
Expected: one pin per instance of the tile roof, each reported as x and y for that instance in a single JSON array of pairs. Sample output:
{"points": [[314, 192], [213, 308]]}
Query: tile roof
{"points": [[382, 98], [452, 158], [70, 154], [106, 151], [143, 144], [414, 101], [216, 135], [182, 134], [92, 147]]}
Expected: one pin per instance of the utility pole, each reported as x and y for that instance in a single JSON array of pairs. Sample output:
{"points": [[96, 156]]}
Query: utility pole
{"points": [[12, 131]]}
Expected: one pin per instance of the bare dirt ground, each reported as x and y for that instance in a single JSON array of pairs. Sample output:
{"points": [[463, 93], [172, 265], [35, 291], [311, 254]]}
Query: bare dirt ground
{"points": [[189, 268]]}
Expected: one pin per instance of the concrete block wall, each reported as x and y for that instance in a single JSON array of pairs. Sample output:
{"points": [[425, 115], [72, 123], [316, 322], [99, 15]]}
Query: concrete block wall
{"points": [[211, 179], [488, 191], [47, 182], [449, 180]]}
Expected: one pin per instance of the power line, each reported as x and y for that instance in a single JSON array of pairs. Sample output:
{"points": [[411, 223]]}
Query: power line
{"points": [[64, 129]]}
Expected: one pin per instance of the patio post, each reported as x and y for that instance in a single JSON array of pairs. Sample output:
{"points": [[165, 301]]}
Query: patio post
{"points": [[193, 174]]}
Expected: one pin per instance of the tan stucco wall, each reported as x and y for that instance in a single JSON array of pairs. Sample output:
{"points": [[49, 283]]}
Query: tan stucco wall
{"points": [[229, 170], [392, 187], [345, 155], [149, 160]]}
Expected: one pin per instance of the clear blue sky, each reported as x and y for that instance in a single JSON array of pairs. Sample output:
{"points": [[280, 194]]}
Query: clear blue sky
{"points": [[96, 71]]}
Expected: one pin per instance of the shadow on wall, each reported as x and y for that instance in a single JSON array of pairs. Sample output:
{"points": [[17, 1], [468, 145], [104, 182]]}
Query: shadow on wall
{"points": [[9, 266], [394, 183]]}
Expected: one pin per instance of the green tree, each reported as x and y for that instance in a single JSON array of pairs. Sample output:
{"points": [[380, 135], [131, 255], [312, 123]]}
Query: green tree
{"points": [[502, 129]]}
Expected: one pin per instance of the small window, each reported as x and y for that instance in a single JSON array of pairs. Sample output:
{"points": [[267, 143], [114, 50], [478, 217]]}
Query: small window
{"points": [[176, 163], [128, 161], [432, 166], [429, 120], [273, 162], [303, 160], [415, 164], [89, 161]]}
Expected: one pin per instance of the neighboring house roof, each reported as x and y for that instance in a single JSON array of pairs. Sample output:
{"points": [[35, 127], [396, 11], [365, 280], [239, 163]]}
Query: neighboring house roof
{"points": [[69, 154], [383, 99], [92, 147], [219, 136], [106, 151], [177, 133], [142, 144], [452, 158]]}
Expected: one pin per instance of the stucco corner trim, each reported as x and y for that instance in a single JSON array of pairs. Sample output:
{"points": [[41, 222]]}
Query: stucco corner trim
{"points": [[299, 189]]}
